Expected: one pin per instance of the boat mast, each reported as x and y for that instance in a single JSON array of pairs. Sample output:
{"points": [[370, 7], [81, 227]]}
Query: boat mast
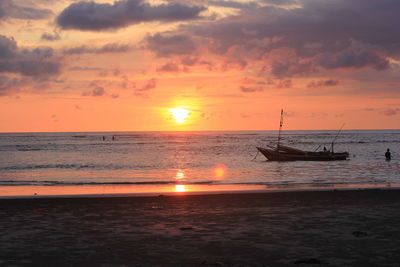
{"points": [[333, 141], [280, 129]]}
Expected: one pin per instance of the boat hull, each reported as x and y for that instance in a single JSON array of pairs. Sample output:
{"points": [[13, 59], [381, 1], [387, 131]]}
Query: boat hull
{"points": [[275, 155]]}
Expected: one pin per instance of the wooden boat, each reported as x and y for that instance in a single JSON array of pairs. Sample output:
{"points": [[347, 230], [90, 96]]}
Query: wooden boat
{"points": [[285, 153]]}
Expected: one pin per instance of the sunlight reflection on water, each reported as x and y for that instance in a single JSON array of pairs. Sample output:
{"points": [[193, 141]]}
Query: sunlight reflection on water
{"points": [[198, 158]]}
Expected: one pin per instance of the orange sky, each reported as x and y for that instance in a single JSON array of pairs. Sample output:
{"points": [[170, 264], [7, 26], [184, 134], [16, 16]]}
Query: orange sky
{"points": [[123, 65]]}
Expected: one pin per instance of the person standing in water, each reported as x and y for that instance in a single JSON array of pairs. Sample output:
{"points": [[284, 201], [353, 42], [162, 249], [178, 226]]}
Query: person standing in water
{"points": [[388, 155]]}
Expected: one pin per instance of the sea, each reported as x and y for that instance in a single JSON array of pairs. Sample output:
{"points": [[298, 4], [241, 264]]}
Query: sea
{"points": [[75, 163]]}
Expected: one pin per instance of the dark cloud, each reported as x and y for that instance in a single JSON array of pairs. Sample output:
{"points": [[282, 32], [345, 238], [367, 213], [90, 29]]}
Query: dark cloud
{"points": [[9, 86], [353, 59], [282, 69], [189, 60], [232, 4], [79, 68], [9, 9], [107, 48], [312, 36], [323, 83], [32, 68], [8, 47], [38, 62], [281, 2], [55, 36], [192, 61], [91, 16], [164, 45]]}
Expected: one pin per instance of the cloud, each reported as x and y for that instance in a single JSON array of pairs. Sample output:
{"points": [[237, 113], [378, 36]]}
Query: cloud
{"points": [[353, 59], [323, 83], [283, 69], [55, 36], [190, 60], [8, 9], [79, 68], [107, 48], [91, 16], [391, 112], [309, 37], [172, 67], [284, 84], [165, 45], [8, 47], [149, 85], [37, 62], [96, 91], [169, 67], [251, 89], [9, 86]]}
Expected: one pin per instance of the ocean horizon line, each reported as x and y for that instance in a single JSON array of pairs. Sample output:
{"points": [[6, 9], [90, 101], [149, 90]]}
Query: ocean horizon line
{"points": [[194, 131]]}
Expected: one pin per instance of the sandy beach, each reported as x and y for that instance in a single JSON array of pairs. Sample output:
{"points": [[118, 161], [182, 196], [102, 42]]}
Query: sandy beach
{"points": [[331, 228]]}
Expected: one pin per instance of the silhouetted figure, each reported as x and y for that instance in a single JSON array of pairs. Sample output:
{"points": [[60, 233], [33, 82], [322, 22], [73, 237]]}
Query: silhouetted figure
{"points": [[388, 155], [104, 138], [113, 138], [325, 149]]}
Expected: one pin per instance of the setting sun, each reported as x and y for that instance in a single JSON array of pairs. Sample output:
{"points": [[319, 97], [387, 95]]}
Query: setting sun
{"points": [[180, 114]]}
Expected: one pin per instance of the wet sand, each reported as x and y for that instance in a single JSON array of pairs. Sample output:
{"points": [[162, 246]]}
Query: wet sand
{"points": [[331, 228]]}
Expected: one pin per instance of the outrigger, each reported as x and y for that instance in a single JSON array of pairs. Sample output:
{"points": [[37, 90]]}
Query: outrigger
{"points": [[285, 153]]}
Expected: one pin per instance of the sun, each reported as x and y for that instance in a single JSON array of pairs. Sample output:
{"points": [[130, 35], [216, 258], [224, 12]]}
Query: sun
{"points": [[180, 114]]}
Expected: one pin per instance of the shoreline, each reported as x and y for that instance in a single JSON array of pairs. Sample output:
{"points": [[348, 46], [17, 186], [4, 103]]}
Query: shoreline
{"points": [[90, 191]]}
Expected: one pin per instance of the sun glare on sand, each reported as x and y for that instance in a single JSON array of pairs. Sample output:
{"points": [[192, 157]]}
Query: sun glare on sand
{"points": [[180, 114]]}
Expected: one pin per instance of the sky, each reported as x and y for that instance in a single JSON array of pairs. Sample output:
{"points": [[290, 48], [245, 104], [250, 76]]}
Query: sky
{"points": [[132, 65]]}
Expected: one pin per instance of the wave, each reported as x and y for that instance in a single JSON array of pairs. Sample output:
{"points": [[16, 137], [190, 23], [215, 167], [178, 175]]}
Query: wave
{"points": [[48, 166], [74, 166], [30, 149], [66, 183], [174, 182]]}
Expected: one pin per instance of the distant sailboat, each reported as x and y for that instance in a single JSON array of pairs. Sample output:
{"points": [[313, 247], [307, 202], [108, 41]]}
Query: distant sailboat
{"points": [[285, 153]]}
